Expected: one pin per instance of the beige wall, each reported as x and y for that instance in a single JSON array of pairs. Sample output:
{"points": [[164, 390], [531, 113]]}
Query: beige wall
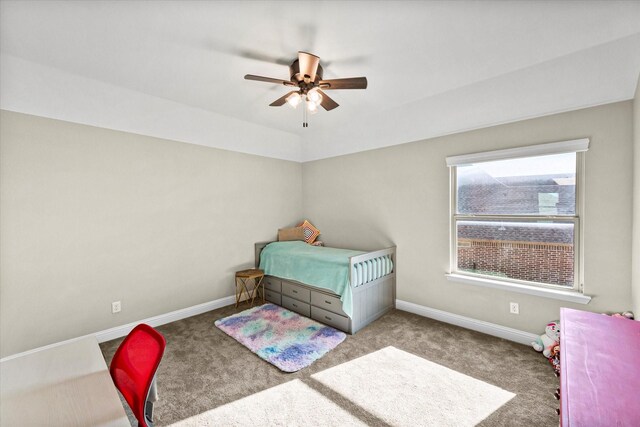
{"points": [[400, 195], [89, 216], [636, 204]]}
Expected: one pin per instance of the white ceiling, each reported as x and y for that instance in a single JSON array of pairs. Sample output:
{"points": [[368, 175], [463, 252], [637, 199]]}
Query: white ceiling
{"points": [[175, 69]]}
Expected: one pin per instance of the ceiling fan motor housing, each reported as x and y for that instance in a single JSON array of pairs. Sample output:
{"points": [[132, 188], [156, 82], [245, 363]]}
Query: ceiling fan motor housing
{"points": [[299, 80]]}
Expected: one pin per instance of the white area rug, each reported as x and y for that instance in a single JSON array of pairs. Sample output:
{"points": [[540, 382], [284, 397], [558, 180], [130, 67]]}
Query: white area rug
{"points": [[290, 404], [406, 390]]}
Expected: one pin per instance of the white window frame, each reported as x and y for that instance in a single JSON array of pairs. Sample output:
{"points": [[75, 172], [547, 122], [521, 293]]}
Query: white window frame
{"points": [[575, 294]]}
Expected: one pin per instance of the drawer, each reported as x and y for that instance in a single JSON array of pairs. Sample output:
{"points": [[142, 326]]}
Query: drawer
{"points": [[327, 302], [271, 283], [273, 297], [297, 292], [297, 306], [329, 318]]}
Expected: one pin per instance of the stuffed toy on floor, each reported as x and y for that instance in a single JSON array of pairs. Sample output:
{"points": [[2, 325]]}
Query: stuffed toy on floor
{"points": [[547, 341]]}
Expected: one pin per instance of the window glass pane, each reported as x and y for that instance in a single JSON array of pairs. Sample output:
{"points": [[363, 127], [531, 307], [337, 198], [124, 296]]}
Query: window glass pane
{"points": [[533, 251], [542, 185]]}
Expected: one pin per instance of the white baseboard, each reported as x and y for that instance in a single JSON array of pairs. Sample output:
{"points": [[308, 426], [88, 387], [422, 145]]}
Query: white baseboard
{"points": [[443, 316], [121, 331], [469, 323]]}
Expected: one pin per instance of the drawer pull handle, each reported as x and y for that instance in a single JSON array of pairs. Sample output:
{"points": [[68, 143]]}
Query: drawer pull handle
{"points": [[294, 305], [328, 302], [327, 317], [294, 291]]}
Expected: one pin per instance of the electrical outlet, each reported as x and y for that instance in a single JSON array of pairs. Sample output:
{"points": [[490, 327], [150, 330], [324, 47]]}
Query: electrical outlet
{"points": [[514, 308], [116, 307]]}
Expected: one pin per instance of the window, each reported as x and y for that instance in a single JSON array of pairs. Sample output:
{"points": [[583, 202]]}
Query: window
{"points": [[516, 215]]}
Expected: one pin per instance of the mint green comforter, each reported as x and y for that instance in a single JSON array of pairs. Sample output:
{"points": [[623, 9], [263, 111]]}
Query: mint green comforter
{"points": [[326, 268]]}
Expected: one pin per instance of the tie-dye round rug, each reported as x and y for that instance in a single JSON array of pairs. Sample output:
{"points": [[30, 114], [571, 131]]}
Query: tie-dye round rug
{"points": [[281, 337]]}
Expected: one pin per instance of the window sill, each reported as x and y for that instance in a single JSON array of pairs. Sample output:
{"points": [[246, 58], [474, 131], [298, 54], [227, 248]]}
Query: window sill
{"points": [[571, 296]]}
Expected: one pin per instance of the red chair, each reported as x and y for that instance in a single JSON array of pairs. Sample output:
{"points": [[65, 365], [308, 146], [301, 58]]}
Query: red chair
{"points": [[133, 370]]}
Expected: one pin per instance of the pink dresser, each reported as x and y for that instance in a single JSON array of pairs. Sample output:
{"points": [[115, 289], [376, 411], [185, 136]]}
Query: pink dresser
{"points": [[600, 370]]}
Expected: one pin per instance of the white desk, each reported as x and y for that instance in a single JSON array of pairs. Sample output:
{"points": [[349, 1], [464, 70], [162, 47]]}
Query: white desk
{"points": [[67, 385]]}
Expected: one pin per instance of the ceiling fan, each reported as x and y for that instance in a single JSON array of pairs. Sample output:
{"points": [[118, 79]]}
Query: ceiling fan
{"points": [[306, 77]]}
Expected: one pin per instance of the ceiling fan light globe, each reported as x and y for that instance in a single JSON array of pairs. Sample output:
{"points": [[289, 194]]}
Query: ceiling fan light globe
{"points": [[315, 97], [294, 99], [312, 106]]}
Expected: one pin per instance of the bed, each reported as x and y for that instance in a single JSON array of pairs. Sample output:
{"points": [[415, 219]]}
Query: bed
{"points": [[346, 289]]}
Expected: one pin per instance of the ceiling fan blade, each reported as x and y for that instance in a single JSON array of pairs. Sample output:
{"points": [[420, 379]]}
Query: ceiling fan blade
{"points": [[349, 83], [280, 101], [308, 64], [327, 103], [268, 80]]}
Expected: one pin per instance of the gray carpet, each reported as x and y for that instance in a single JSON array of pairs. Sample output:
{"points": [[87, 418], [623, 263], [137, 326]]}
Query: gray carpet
{"points": [[203, 368]]}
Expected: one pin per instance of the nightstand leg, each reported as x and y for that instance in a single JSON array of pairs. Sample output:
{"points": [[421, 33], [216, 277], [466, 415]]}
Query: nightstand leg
{"points": [[261, 289], [241, 287]]}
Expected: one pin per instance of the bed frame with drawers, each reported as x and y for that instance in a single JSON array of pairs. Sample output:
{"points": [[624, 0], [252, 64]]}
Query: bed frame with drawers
{"points": [[371, 299]]}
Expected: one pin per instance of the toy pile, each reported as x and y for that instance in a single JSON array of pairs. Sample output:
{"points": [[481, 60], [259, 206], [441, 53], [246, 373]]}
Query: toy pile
{"points": [[554, 359], [549, 344]]}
